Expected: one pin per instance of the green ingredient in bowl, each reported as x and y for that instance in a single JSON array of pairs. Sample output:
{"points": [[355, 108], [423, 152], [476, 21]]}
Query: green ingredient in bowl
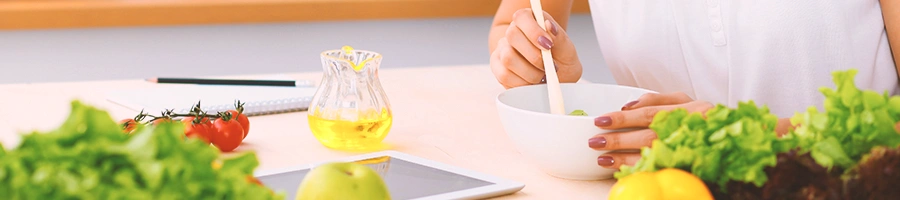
{"points": [[89, 157], [578, 113]]}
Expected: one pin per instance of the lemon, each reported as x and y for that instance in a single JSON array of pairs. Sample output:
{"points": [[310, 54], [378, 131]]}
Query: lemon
{"points": [[678, 184], [637, 186]]}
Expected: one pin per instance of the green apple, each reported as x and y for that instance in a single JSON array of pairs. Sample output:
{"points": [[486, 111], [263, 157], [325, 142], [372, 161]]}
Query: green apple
{"points": [[343, 180]]}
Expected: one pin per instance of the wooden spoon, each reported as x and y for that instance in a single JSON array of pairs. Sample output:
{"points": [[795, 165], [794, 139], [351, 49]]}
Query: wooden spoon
{"points": [[553, 90]]}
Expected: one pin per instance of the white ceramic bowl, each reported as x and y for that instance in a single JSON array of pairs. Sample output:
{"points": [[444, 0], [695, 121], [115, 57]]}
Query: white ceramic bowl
{"points": [[558, 144]]}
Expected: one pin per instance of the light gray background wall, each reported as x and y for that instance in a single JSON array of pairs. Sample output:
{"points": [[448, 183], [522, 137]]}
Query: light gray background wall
{"points": [[187, 51]]}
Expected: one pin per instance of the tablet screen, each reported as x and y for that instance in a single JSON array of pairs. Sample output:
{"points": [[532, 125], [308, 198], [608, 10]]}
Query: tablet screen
{"points": [[405, 180]]}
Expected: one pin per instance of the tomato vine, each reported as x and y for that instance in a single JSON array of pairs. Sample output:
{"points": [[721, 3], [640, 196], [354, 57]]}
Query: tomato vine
{"points": [[225, 129]]}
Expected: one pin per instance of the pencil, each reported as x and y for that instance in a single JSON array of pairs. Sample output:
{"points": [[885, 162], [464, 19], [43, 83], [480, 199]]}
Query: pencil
{"points": [[200, 81]]}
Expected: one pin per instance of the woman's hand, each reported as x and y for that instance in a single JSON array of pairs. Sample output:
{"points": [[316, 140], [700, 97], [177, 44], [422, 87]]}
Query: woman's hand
{"points": [[636, 115], [516, 60]]}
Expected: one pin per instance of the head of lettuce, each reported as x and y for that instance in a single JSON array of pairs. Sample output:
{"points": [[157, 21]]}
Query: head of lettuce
{"points": [[89, 157]]}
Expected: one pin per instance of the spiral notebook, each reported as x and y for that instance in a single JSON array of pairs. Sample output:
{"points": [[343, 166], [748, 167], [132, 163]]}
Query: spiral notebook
{"points": [[258, 100]]}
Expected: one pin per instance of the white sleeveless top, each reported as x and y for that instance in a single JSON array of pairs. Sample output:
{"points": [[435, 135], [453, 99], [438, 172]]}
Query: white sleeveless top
{"points": [[774, 52]]}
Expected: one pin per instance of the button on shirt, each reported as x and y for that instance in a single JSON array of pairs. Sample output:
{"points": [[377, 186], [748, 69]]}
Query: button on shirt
{"points": [[774, 52]]}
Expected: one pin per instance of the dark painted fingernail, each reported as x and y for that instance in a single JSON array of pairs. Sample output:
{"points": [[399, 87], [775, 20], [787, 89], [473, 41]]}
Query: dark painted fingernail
{"points": [[544, 80], [603, 121], [553, 29], [605, 161], [545, 42], [629, 104], [597, 142]]}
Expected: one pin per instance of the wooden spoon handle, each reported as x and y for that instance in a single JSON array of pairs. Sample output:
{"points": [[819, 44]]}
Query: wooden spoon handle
{"points": [[553, 90]]}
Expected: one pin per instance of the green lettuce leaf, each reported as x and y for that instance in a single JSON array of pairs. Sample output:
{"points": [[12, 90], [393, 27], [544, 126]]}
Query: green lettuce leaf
{"points": [[853, 122], [88, 157], [726, 145], [739, 144]]}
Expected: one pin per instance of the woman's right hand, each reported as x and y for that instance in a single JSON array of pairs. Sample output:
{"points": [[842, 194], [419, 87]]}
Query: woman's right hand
{"points": [[517, 60]]}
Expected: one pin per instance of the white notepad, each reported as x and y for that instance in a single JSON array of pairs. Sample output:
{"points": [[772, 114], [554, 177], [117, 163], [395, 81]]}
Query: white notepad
{"points": [[258, 100]]}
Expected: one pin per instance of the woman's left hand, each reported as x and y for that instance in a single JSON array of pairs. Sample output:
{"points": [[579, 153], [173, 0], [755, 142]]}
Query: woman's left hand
{"points": [[636, 115]]}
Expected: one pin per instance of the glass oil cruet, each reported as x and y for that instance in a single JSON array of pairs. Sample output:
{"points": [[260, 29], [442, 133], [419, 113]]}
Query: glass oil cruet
{"points": [[350, 110]]}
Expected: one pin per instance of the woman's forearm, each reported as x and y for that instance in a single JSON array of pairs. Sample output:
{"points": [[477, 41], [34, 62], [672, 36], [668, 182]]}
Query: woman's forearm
{"points": [[890, 10], [497, 31]]}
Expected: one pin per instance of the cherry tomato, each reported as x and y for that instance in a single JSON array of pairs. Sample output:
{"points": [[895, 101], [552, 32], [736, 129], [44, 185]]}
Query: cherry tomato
{"points": [[206, 121], [245, 123], [213, 132], [229, 134], [198, 129], [128, 125], [162, 120]]}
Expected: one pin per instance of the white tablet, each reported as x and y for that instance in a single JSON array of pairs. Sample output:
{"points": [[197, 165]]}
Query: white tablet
{"points": [[407, 177]]}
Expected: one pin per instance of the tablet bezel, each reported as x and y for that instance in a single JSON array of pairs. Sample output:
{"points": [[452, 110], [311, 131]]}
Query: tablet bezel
{"points": [[499, 187]]}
